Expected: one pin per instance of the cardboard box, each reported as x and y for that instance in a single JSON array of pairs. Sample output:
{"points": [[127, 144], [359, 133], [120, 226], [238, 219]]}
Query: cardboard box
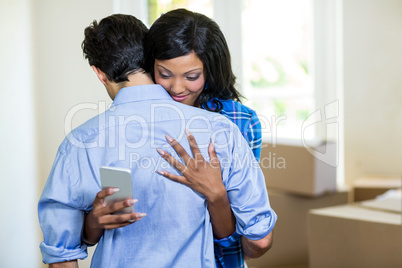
{"points": [[354, 236], [290, 246], [367, 188], [390, 201], [299, 168]]}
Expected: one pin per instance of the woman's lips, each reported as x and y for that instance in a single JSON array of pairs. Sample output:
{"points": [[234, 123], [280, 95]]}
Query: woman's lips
{"points": [[179, 98]]}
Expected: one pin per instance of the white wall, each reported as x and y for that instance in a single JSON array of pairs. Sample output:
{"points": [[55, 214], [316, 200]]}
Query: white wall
{"points": [[18, 190], [63, 78], [372, 45], [43, 75]]}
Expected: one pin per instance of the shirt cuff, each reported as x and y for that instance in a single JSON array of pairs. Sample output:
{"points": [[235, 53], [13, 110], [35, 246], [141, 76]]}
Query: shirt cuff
{"points": [[52, 254], [262, 226], [227, 241]]}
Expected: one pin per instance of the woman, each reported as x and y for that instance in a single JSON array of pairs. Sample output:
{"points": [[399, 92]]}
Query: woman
{"points": [[187, 54]]}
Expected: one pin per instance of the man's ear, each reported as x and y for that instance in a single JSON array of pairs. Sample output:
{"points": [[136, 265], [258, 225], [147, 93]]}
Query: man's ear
{"points": [[101, 75]]}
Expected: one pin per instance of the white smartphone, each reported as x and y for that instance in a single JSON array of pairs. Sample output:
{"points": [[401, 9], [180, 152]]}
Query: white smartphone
{"points": [[120, 178]]}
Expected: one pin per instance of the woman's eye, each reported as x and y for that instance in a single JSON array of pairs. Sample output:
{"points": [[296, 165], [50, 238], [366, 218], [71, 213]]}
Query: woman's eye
{"points": [[164, 76], [193, 78]]}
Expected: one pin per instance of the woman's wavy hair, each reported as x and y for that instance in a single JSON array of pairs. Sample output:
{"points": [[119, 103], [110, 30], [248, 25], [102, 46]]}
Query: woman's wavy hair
{"points": [[179, 32], [115, 45]]}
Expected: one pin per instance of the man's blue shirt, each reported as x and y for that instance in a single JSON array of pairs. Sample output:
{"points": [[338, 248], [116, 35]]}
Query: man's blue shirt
{"points": [[176, 231]]}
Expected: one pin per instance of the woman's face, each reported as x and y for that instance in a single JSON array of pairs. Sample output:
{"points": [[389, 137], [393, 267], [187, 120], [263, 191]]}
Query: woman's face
{"points": [[182, 77]]}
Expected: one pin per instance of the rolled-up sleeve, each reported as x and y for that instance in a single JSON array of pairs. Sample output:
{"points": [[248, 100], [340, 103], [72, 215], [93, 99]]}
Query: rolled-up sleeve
{"points": [[61, 216], [247, 192]]}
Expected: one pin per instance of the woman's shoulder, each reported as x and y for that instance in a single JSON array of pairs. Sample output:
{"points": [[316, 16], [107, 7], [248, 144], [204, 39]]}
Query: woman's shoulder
{"points": [[232, 106]]}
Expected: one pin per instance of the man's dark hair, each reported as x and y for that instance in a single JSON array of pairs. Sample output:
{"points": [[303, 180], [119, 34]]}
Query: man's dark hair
{"points": [[115, 46], [180, 32]]}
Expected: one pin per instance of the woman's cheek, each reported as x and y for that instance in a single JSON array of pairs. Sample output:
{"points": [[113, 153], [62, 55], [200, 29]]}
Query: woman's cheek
{"points": [[196, 86], [161, 82]]}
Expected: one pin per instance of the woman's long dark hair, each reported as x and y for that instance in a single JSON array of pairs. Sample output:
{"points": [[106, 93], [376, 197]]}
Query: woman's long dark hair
{"points": [[179, 32]]}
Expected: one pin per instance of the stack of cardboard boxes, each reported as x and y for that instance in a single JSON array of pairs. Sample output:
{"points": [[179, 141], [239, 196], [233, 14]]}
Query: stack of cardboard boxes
{"points": [[365, 233], [369, 187], [299, 178]]}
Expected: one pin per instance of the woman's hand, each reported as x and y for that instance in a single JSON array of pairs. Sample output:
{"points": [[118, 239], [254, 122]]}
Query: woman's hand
{"points": [[205, 178], [201, 176], [101, 218]]}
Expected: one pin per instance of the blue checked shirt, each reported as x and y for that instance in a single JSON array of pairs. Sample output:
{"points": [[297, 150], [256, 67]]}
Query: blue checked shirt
{"points": [[228, 251], [247, 121]]}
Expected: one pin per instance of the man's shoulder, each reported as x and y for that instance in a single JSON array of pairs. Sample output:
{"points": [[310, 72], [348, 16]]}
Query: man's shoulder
{"points": [[83, 134]]}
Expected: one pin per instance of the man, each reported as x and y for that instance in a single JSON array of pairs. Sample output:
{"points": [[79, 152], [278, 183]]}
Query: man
{"points": [[176, 230]]}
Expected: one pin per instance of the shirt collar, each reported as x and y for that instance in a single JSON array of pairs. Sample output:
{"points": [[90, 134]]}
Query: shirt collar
{"points": [[141, 93]]}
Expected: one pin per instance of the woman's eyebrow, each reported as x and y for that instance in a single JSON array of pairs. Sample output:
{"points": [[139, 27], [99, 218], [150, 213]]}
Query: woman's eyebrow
{"points": [[164, 68], [196, 69]]}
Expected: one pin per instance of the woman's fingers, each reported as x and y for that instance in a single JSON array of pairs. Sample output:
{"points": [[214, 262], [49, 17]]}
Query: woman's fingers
{"points": [[101, 208], [194, 147], [104, 193], [116, 206], [213, 159], [105, 210], [178, 148], [103, 216], [201, 176], [117, 221], [173, 177], [171, 160]]}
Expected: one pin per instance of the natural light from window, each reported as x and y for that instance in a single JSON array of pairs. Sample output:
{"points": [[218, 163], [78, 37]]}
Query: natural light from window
{"points": [[158, 7], [277, 45]]}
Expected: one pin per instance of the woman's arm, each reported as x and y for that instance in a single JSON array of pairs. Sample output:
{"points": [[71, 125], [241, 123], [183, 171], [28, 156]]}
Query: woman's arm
{"points": [[205, 178]]}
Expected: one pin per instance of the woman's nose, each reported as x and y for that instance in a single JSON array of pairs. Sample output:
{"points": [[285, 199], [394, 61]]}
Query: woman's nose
{"points": [[177, 87]]}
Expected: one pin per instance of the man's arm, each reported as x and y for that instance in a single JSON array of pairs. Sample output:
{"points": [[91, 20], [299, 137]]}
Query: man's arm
{"points": [[256, 248], [67, 264], [60, 212], [247, 192]]}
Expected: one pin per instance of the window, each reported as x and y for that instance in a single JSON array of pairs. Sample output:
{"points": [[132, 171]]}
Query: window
{"points": [[277, 80], [272, 55], [158, 7]]}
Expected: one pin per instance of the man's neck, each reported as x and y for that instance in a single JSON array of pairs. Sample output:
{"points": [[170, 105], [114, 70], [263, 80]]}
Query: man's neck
{"points": [[134, 79], [139, 79]]}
